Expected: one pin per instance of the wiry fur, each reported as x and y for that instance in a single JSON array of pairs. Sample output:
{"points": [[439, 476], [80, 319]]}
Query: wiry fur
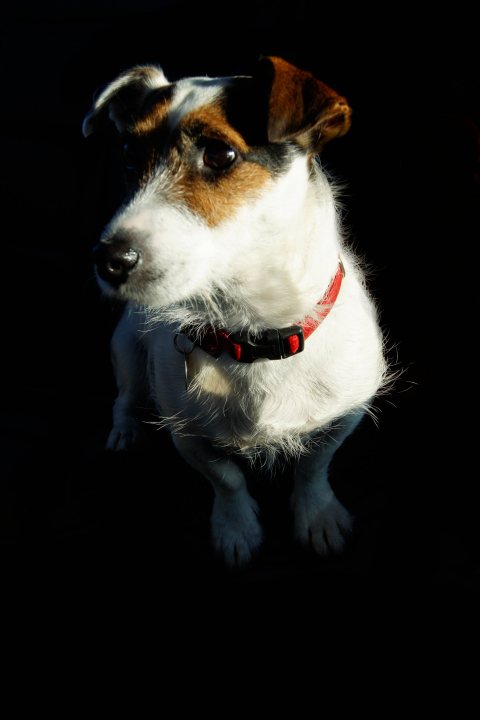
{"points": [[265, 266]]}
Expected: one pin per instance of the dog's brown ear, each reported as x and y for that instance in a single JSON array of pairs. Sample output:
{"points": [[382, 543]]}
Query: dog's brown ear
{"points": [[122, 98], [300, 106]]}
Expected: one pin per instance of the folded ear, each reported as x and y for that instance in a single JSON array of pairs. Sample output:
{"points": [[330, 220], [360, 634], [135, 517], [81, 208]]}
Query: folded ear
{"points": [[300, 106], [123, 97]]}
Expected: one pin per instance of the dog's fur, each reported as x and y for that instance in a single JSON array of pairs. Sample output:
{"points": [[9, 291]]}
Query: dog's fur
{"points": [[234, 225]]}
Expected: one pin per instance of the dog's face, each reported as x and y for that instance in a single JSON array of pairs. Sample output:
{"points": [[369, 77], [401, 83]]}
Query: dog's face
{"points": [[212, 167]]}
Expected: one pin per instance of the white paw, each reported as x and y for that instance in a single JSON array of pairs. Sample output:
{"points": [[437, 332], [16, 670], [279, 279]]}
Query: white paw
{"points": [[322, 520], [236, 532], [125, 436]]}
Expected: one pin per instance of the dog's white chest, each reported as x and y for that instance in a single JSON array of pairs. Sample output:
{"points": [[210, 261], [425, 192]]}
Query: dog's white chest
{"points": [[238, 406]]}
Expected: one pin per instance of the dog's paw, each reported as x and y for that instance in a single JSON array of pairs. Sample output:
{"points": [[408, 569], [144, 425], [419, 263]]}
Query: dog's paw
{"points": [[236, 532], [126, 436], [322, 520]]}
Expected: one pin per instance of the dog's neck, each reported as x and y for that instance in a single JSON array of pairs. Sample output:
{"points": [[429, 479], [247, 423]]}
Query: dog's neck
{"points": [[296, 225], [273, 343]]}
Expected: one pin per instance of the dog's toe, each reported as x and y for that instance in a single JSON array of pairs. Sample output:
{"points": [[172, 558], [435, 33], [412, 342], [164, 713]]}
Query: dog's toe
{"points": [[329, 533], [124, 438], [327, 527], [236, 532]]}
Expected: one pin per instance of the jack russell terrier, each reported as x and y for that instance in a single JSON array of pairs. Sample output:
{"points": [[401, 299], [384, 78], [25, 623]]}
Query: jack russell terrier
{"points": [[247, 321]]}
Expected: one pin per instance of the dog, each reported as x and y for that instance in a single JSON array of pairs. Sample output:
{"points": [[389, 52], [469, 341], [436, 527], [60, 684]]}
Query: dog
{"points": [[247, 319]]}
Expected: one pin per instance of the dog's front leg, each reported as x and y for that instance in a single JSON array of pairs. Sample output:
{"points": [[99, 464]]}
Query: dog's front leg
{"points": [[236, 532], [319, 517], [128, 359]]}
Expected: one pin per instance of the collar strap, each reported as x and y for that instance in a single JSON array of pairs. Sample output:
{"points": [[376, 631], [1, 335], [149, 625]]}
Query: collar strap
{"points": [[272, 344]]}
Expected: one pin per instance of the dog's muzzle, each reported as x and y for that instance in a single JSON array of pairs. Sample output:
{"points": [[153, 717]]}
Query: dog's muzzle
{"points": [[115, 259]]}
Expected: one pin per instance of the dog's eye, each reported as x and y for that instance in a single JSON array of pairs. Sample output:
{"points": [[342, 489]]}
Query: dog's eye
{"points": [[218, 156], [131, 159]]}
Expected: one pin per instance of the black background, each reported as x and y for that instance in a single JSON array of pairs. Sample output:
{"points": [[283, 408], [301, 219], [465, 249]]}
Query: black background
{"points": [[71, 513]]}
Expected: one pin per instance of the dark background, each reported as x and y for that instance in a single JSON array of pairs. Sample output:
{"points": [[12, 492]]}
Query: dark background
{"points": [[72, 514]]}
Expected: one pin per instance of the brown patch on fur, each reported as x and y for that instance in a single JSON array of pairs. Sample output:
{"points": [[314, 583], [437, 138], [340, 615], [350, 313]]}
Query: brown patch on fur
{"points": [[302, 107], [214, 196], [154, 116], [217, 201], [211, 118]]}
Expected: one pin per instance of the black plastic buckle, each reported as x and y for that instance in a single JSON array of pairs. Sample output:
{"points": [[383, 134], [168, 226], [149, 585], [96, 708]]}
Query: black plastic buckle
{"points": [[271, 344]]}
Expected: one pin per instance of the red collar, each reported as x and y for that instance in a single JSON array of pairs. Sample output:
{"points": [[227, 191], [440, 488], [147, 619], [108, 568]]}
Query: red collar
{"points": [[271, 344]]}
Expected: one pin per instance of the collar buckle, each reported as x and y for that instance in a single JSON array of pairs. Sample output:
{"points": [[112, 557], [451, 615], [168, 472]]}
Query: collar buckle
{"points": [[270, 344]]}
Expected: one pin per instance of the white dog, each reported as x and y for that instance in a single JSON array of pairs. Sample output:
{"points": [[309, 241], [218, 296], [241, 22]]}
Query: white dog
{"points": [[247, 320]]}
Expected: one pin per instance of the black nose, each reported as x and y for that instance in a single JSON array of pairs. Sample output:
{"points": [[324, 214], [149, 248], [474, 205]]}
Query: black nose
{"points": [[115, 259]]}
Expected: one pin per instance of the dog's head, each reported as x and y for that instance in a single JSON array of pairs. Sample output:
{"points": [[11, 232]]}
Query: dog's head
{"points": [[205, 163]]}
